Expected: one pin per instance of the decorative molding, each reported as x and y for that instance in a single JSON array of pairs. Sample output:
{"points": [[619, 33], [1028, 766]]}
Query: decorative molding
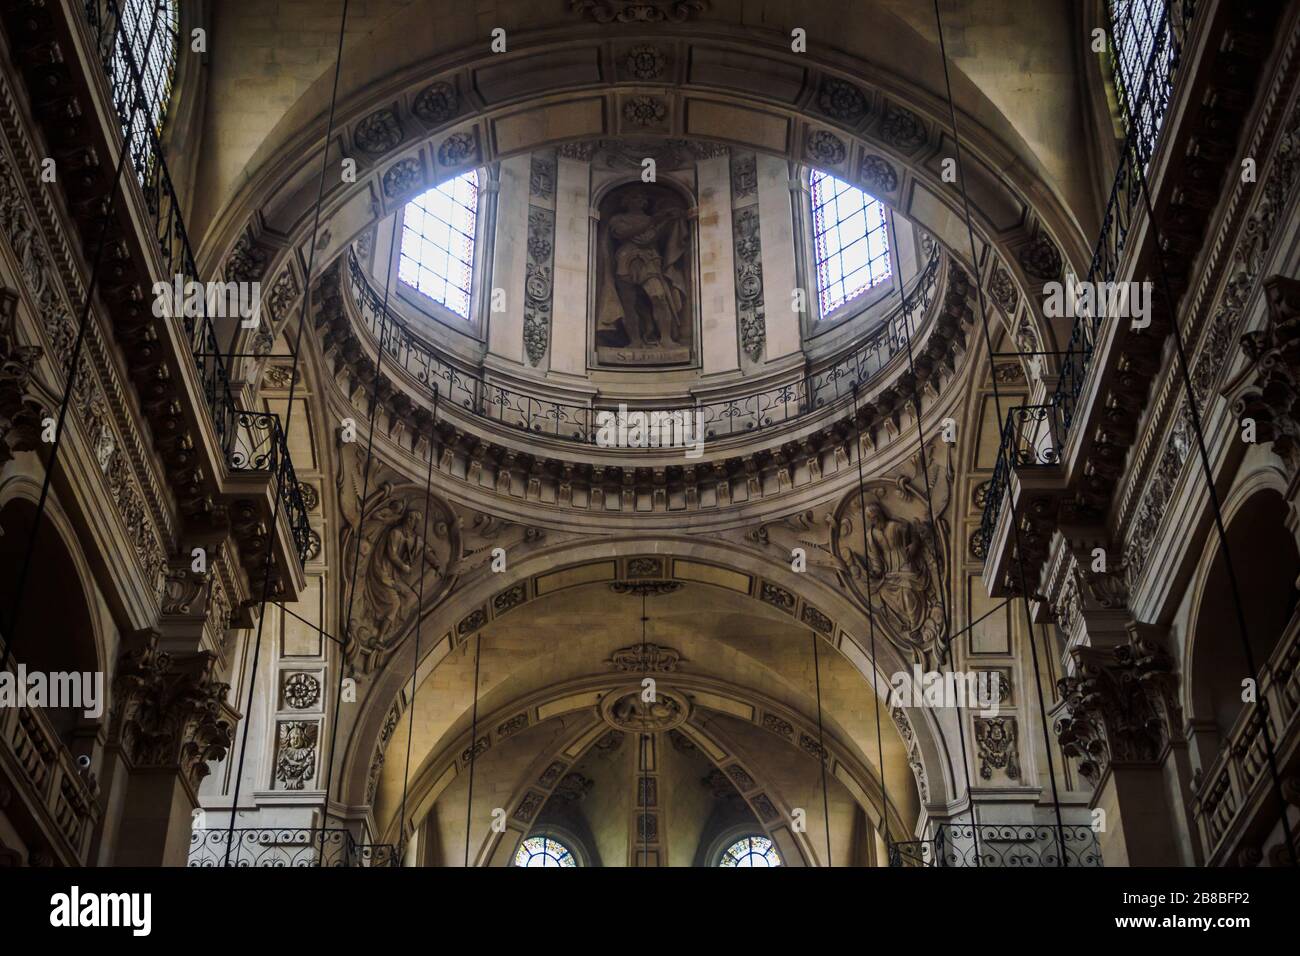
{"points": [[749, 282], [998, 747], [638, 11], [539, 284], [295, 758], [646, 658]]}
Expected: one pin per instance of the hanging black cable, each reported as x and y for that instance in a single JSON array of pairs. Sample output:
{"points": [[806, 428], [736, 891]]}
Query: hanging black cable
{"points": [[821, 747], [941, 585], [298, 617], [1220, 528], [997, 401], [871, 627], [70, 376], [419, 619], [280, 475], [384, 328], [473, 746], [646, 746]]}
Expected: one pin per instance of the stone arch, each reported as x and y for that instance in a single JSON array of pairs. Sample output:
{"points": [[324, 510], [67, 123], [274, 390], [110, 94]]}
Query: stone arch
{"points": [[876, 142], [534, 786], [60, 596], [702, 562], [1267, 565]]}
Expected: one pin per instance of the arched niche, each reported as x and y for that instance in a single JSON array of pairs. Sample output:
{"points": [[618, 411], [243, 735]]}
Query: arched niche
{"points": [[58, 631], [1266, 563]]}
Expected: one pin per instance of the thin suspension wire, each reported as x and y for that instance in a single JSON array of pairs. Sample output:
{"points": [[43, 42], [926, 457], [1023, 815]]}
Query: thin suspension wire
{"points": [[361, 520], [871, 628], [419, 620], [275, 509], [74, 360], [997, 400], [1220, 528], [298, 617], [821, 746], [941, 584], [473, 746], [646, 747]]}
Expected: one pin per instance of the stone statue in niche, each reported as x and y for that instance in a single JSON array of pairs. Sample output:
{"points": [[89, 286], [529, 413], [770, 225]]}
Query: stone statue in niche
{"points": [[645, 300]]}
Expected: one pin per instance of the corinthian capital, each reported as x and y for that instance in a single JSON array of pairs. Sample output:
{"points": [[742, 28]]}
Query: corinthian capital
{"points": [[1119, 706], [20, 415], [170, 712], [1273, 400]]}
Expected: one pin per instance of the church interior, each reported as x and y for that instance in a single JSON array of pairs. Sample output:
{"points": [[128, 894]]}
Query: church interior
{"points": [[649, 433]]}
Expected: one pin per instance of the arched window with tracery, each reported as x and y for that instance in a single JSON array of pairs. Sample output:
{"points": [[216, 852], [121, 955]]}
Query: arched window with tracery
{"points": [[544, 851], [438, 238], [750, 851], [850, 241]]}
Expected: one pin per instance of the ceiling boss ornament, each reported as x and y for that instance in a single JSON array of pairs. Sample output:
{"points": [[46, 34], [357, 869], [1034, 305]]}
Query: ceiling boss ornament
{"points": [[629, 710]]}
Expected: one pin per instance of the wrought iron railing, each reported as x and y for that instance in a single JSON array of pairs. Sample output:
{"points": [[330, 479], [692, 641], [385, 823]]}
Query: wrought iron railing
{"points": [[1032, 436], [747, 414], [230, 422], [287, 847], [1143, 117], [1229, 791], [1014, 845]]}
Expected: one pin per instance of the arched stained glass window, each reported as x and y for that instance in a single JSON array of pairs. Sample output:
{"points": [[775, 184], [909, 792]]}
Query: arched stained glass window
{"points": [[437, 251], [1142, 52], [750, 851], [851, 249], [543, 851]]}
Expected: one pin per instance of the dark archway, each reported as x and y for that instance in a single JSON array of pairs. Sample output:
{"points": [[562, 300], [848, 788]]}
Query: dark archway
{"points": [[1267, 565]]}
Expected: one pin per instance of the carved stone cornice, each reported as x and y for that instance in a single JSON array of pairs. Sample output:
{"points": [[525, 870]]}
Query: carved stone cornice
{"points": [[544, 476], [170, 712], [1272, 401], [33, 225], [65, 100], [1120, 382], [1120, 706]]}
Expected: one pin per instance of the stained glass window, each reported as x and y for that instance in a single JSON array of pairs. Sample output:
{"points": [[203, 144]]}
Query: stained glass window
{"points": [[849, 240], [1140, 32], [437, 255], [148, 30], [750, 851], [543, 851]]}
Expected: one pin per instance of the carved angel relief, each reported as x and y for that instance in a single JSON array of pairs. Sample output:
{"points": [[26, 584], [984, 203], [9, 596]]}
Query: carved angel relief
{"points": [[400, 547], [896, 565], [891, 558]]}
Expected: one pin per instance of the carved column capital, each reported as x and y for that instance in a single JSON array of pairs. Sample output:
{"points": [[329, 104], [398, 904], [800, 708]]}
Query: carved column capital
{"points": [[170, 712], [1273, 398], [1120, 705], [20, 414]]}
